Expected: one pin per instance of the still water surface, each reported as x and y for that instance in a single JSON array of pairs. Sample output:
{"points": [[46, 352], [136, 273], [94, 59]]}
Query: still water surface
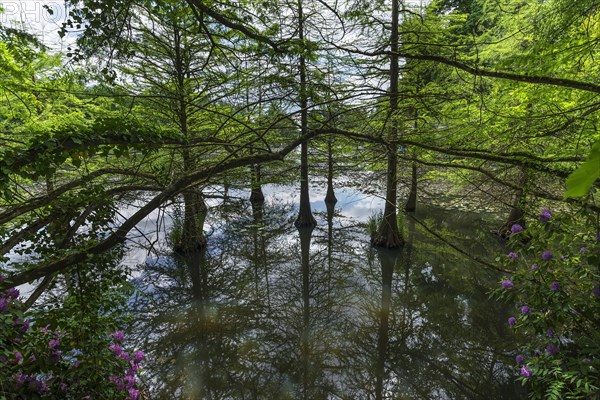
{"points": [[270, 312]]}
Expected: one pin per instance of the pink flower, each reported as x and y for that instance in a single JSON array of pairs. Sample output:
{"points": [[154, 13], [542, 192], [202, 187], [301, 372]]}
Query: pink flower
{"points": [[133, 394], [138, 356], [116, 349], [118, 336]]}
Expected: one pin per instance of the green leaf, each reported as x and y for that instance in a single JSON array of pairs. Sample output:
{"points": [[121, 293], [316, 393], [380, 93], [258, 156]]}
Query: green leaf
{"points": [[582, 179]]}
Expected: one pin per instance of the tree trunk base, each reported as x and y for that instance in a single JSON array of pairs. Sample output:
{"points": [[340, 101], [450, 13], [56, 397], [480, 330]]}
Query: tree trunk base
{"points": [[387, 241], [305, 221], [516, 216], [330, 199], [257, 196]]}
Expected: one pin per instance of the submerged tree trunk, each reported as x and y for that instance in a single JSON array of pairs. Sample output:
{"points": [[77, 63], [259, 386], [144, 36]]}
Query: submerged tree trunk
{"points": [[305, 217], [388, 235], [330, 196], [194, 214]]}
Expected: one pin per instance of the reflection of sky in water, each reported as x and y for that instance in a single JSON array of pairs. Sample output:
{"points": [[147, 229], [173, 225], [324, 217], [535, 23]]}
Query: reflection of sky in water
{"points": [[149, 234], [238, 327]]}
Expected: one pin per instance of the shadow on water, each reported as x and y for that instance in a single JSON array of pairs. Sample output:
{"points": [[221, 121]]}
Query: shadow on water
{"points": [[268, 311]]}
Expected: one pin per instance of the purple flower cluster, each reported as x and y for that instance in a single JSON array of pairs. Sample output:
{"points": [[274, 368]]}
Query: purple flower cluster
{"points": [[516, 228], [53, 344], [30, 382], [507, 283], [552, 349], [555, 286], [512, 321], [36, 371], [545, 215], [547, 255], [7, 297], [513, 256], [128, 381], [526, 372]]}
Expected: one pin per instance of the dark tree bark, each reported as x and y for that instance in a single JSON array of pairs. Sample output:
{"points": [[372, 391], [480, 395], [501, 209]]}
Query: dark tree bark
{"points": [[305, 216], [388, 235], [194, 214], [516, 215], [330, 196], [411, 202]]}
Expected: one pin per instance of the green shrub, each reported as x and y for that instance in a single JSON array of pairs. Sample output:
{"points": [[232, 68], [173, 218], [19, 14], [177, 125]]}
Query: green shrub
{"points": [[556, 294]]}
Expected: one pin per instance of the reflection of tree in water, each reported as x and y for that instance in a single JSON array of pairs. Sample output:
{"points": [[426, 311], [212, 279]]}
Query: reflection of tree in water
{"points": [[427, 329], [270, 312], [199, 316]]}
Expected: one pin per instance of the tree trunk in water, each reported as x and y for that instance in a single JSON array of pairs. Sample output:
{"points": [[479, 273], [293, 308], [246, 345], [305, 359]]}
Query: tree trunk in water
{"points": [[256, 195], [388, 261], [516, 215], [330, 196], [194, 214], [411, 202], [389, 235], [305, 217]]}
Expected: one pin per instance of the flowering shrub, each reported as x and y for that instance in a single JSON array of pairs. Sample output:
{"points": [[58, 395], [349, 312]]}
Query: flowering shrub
{"points": [[55, 363], [556, 294]]}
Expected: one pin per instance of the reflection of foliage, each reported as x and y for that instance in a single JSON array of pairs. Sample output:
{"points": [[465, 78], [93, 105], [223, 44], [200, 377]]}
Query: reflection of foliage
{"points": [[555, 289], [262, 314], [440, 341]]}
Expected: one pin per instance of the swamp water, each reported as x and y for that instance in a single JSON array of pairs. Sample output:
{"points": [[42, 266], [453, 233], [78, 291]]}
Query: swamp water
{"points": [[267, 311]]}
